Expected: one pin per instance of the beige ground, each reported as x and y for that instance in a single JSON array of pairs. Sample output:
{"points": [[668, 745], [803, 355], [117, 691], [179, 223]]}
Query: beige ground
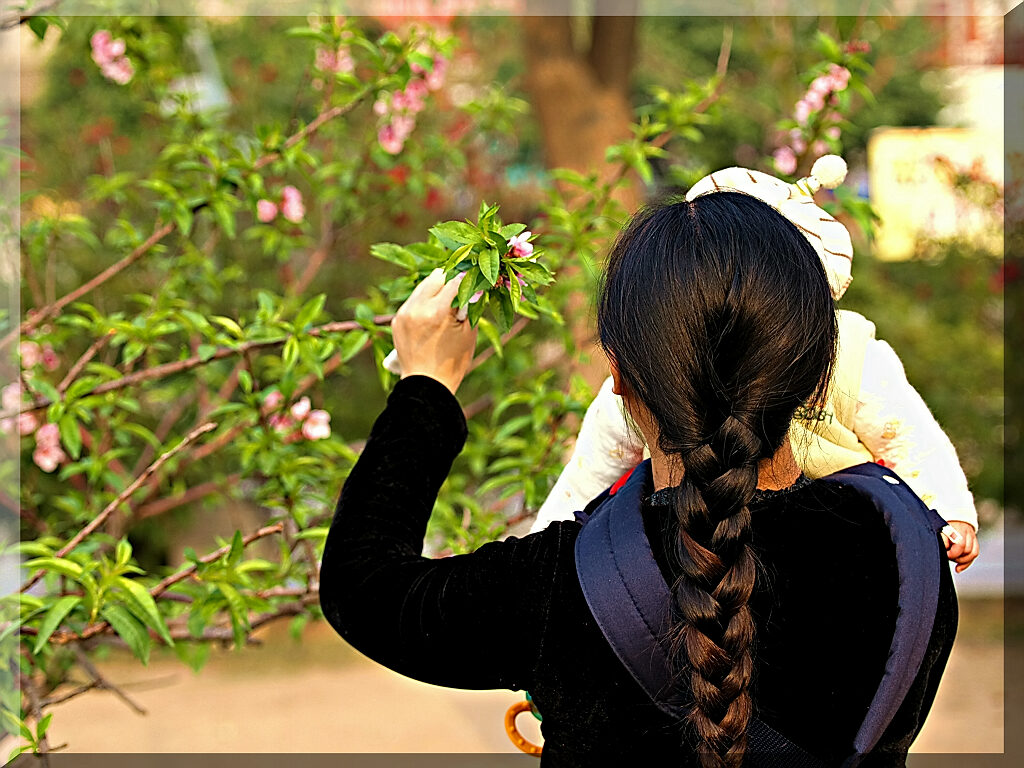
{"points": [[319, 696]]}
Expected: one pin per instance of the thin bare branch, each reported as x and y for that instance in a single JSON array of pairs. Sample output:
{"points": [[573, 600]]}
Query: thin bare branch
{"points": [[76, 369], [180, 366], [196, 492], [64, 637], [724, 52], [174, 578], [102, 682], [123, 496]]}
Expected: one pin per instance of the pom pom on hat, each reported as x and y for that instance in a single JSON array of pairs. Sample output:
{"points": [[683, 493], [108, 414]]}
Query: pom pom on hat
{"points": [[829, 170]]}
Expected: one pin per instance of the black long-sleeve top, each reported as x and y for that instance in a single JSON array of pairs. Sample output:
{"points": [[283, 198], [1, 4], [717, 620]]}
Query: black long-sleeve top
{"points": [[512, 613]]}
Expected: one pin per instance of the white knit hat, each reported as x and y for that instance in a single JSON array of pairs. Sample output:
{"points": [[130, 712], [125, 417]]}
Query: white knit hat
{"points": [[828, 237]]}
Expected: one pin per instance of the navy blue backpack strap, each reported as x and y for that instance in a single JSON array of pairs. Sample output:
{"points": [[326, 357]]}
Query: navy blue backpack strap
{"points": [[630, 601], [919, 558]]}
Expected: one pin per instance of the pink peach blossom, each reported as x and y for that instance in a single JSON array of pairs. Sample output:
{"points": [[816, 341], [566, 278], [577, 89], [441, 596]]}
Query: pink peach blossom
{"points": [[266, 211], [301, 409], [785, 160], [380, 106], [819, 147], [27, 423], [48, 458], [292, 207], [273, 401], [389, 139], [519, 245], [416, 93], [802, 111], [317, 425], [10, 398], [435, 77], [403, 125], [281, 423], [48, 435], [833, 132], [334, 61], [821, 85], [120, 70], [31, 354], [815, 100], [51, 361], [840, 77]]}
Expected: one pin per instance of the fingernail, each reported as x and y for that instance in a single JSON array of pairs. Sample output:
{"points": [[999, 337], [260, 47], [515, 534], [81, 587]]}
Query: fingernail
{"points": [[459, 278]]}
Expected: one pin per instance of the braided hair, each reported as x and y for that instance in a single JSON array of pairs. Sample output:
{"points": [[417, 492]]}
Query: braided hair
{"points": [[718, 315]]}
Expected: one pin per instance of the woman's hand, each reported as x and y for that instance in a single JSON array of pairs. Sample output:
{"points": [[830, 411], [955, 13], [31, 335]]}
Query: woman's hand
{"points": [[430, 341]]}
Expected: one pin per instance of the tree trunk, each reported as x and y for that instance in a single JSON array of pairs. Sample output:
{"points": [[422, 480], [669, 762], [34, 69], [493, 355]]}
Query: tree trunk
{"points": [[581, 99]]}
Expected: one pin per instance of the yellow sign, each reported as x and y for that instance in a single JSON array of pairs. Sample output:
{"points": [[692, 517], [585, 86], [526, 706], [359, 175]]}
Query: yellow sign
{"points": [[934, 183]]}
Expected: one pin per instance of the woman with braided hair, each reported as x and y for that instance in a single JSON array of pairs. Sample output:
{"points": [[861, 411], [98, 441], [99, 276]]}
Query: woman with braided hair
{"points": [[718, 323]]}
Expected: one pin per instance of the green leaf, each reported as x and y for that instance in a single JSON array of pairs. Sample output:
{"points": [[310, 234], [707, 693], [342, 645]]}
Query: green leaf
{"points": [[455, 233], [245, 381], [319, 532], [59, 564], [238, 612], [515, 289], [70, 435], [290, 353], [123, 552], [43, 725], [457, 257], [511, 230], [140, 431], [129, 629], [492, 335], [506, 312], [237, 547], [151, 614], [53, 618], [310, 311], [230, 325], [206, 351], [468, 286], [394, 254], [828, 46], [365, 317], [224, 218], [353, 344], [490, 265], [38, 25], [533, 272]]}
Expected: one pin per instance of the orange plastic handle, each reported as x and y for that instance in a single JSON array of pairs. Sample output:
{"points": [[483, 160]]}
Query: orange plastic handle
{"points": [[513, 733]]}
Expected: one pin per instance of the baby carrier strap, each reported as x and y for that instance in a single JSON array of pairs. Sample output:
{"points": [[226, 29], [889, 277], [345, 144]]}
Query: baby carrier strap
{"points": [[630, 601]]}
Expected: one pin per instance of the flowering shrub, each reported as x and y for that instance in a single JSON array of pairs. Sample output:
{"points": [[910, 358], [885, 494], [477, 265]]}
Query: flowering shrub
{"points": [[192, 366]]}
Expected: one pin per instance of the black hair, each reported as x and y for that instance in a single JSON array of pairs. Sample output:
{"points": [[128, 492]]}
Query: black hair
{"points": [[718, 315]]}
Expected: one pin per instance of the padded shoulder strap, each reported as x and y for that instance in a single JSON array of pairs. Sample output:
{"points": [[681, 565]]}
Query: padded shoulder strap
{"points": [[625, 589], [914, 530], [631, 602]]}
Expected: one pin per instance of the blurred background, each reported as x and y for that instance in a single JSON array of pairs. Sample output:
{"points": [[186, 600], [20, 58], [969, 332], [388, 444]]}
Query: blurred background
{"points": [[925, 149]]}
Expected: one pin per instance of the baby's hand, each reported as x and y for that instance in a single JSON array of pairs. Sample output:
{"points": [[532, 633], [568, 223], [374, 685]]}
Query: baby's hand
{"points": [[961, 543]]}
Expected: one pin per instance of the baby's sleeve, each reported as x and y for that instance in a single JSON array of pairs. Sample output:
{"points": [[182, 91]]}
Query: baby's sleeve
{"points": [[606, 447], [894, 423]]}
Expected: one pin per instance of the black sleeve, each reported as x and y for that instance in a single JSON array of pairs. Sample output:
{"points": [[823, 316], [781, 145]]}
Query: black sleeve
{"points": [[470, 621]]}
